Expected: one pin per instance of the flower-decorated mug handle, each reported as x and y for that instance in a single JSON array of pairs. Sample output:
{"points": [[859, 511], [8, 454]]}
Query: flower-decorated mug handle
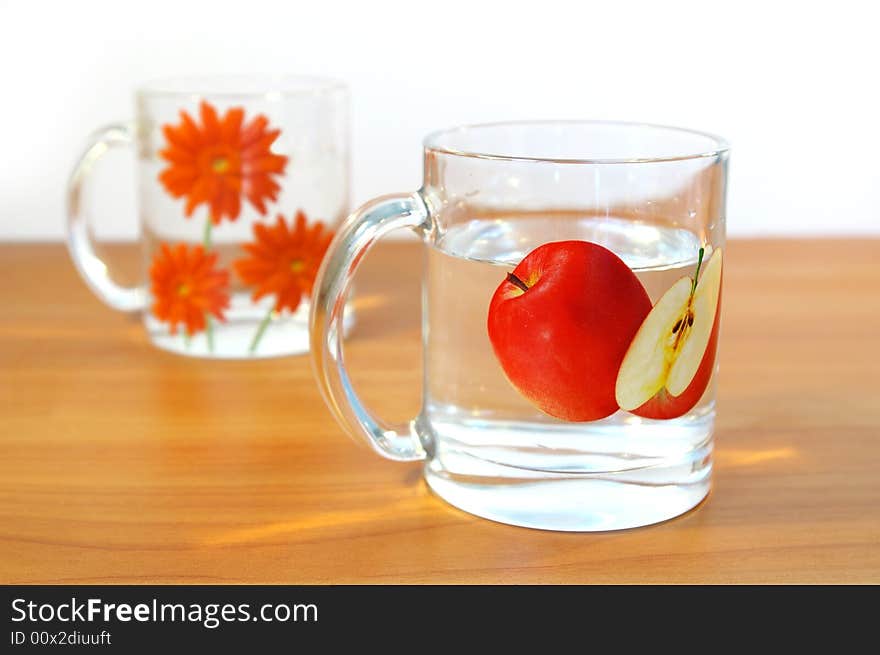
{"points": [[79, 237], [352, 241]]}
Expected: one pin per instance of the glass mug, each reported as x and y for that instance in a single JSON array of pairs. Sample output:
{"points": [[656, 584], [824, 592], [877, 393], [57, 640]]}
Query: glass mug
{"points": [[241, 183], [571, 311]]}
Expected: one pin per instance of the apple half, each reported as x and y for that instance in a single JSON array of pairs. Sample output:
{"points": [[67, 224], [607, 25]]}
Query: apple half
{"points": [[670, 360]]}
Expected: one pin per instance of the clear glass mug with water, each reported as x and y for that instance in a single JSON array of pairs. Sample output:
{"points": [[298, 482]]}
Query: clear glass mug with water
{"points": [[571, 313], [241, 182]]}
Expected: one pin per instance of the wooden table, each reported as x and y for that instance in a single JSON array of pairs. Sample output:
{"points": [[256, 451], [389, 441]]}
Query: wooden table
{"points": [[123, 464]]}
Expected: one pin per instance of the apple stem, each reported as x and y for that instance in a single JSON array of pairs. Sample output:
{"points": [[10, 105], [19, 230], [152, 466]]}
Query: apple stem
{"points": [[515, 281], [697, 272]]}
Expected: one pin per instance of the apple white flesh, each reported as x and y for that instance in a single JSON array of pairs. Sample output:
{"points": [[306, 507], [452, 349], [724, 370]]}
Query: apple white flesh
{"points": [[669, 346]]}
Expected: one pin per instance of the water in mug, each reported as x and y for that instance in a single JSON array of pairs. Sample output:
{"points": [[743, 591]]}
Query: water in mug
{"points": [[485, 433]]}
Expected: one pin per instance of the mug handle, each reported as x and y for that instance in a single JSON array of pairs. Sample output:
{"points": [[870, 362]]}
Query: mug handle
{"points": [[79, 238], [355, 237]]}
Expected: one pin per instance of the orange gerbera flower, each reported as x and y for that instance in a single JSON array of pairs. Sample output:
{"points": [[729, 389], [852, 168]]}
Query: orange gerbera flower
{"points": [[217, 162], [186, 287], [284, 260]]}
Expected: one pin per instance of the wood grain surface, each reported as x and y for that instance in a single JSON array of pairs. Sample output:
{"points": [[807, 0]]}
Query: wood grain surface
{"points": [[122, 463]]}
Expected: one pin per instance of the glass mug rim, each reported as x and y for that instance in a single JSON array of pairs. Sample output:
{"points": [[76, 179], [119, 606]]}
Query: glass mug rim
{"points": [[440, 142], [268, 85]]}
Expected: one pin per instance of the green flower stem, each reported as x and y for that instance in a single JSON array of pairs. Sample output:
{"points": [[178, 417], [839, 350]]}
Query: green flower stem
{"points": [[209, 323], [261, 330], [209, 333], [209, 225]]}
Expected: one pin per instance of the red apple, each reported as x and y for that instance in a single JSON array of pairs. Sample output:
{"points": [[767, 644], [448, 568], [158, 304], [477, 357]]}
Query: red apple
{"points": [[560, 325], [672, 357]]}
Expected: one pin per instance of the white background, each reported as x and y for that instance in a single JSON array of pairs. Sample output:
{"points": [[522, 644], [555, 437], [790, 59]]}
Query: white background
{"points": [[794, 87]]}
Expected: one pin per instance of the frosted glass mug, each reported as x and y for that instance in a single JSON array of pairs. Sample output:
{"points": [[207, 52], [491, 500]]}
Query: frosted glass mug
{"points": [[571, 317], [241, 182]]}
